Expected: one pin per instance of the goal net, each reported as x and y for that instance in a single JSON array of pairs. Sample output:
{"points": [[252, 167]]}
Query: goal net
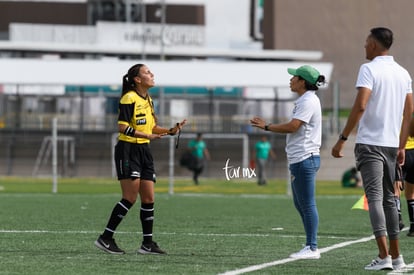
{"points": [[225, 150]]}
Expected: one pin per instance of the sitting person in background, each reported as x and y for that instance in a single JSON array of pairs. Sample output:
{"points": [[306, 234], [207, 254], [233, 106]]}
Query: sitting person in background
{"points": [[351, 178]]}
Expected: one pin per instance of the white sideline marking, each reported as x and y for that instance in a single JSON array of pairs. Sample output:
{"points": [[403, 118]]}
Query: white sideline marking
{"points": [[12, 231], [408, 268], [287, 260]]}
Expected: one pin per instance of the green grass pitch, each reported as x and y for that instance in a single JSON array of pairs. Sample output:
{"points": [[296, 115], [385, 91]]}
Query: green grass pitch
{"points": [[216, 227]]}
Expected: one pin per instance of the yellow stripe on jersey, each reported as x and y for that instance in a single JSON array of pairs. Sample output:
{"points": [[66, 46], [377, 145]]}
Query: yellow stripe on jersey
{"points": [[136, 112]]}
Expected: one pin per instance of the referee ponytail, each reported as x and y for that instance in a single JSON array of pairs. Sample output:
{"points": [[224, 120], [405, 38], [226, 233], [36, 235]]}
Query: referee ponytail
{"points": [[128, 83]]}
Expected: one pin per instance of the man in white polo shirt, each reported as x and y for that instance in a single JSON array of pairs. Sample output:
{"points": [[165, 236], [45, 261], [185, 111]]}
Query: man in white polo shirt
{"points": [[382, 108]]}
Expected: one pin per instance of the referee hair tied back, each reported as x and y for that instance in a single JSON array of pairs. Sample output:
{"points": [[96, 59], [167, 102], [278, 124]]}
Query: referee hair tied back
{"points": [[128, 83]]}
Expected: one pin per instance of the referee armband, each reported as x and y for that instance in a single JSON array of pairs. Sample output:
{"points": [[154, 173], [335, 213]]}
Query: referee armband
{"points": [[129, 131]]}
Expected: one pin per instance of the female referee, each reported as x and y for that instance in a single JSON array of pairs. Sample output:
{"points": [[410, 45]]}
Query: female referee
{"points": [[137, 126]]}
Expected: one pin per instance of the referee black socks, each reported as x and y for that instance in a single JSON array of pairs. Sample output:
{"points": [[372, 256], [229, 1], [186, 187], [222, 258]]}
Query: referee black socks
{"points": [[118, 213], [147, 220]]}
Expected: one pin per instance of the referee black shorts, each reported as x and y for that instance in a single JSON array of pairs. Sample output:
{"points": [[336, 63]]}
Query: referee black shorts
{"points": [[134, 160]]}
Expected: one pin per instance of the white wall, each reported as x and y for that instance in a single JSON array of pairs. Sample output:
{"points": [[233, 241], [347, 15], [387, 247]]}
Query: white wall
{"points": [[227, 22]]}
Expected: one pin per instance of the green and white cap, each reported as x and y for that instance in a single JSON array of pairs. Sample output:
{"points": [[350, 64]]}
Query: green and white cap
{"points": [[307, 72]]}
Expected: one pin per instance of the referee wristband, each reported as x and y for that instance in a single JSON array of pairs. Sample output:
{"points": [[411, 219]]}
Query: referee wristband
{"points": [[266, 128], [170, 131]]}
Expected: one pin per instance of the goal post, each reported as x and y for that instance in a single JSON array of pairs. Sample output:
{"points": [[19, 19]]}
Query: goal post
{"points": [[54, 155], [244, 138], [49, 151]]}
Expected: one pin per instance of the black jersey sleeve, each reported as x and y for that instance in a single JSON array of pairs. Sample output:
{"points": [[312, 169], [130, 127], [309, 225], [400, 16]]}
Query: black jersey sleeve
{"points": [[126, 112]]}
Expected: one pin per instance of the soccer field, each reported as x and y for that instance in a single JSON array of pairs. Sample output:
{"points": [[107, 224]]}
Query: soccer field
{"points": [[203, 233]]}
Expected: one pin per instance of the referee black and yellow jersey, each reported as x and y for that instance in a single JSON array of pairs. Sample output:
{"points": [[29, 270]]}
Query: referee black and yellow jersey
{"points": [[136, 112]]}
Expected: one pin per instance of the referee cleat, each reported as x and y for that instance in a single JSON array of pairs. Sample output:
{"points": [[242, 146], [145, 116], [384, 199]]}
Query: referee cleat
{"points": [[108, 245], [151, 248]]}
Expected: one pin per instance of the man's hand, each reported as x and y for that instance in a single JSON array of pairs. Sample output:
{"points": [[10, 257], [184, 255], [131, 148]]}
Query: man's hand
{"points": [[337, 149]]}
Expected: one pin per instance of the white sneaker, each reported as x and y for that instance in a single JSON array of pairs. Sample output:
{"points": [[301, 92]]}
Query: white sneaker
{"points": [[380, 264], [306, 253], [398, 263]]}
